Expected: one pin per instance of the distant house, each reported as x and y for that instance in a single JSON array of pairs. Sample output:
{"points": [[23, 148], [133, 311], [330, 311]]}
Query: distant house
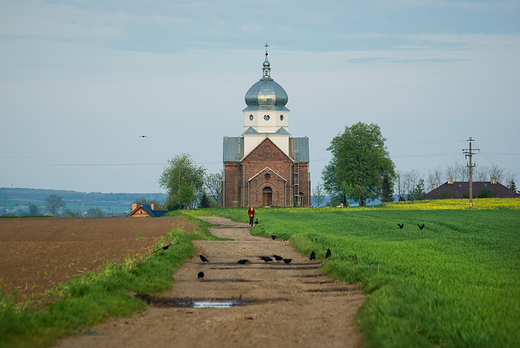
{"points": [[145, 210], [460, 189]]}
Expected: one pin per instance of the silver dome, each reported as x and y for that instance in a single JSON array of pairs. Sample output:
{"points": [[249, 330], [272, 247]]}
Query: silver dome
{"points": [[266, 94]]}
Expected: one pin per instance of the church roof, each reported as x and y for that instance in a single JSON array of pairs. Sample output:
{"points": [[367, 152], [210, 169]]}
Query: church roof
{"points": [[300, 149], [266, 94], [279, 131], [232, 149]]}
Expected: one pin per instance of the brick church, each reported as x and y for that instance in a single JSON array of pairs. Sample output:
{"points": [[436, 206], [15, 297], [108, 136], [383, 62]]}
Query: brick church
{"points": [[266, 166]]}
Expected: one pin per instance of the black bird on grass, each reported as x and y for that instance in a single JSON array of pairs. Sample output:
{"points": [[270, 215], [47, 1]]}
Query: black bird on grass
{"points": [[287, 261], [256, 222], [313, 256], [400, 225], [420, 226], [203, 259], [273, 237], [278, 258], [163, 248], [200, 275], [266, 258], [328, 254], [243, 262]]}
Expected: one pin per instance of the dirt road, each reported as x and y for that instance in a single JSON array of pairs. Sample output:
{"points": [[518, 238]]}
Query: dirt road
{"points": [[273, 304]]}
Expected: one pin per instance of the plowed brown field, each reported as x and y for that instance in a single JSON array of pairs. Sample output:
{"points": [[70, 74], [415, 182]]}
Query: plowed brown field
{"points": [[38, 253]]}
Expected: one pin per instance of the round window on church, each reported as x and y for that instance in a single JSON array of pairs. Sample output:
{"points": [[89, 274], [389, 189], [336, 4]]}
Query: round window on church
{"points": [[281, 117], [251, 117], [266, 117]]}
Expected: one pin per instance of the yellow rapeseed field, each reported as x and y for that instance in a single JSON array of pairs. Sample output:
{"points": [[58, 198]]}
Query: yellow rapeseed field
{"points": [[436, 204], [456, 204]]}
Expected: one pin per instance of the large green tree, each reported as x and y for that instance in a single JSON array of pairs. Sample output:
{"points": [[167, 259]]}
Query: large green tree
{"points": [[54, 203], [360, 162], [183, 180]]}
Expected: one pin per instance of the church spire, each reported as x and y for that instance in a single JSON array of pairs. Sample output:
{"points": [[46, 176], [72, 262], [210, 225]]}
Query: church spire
{"points": [[267, 66]]}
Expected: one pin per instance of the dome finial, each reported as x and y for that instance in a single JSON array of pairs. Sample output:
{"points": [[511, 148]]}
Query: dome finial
{"points": [[267, 65]]}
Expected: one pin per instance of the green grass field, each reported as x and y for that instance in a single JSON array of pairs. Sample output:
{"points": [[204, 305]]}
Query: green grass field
{"points": [[455, 283]]}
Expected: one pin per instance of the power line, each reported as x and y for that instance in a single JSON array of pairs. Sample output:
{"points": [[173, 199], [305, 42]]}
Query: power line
{"points": [[469, 153], [428, 143], [107, 156], [90, 164]]}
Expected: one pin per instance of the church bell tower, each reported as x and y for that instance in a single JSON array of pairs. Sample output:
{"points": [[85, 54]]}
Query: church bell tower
{"points": [[266, 166]]}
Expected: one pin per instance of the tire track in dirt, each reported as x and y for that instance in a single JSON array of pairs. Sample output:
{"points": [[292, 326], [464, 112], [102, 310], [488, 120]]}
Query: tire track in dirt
{"points": [[280, 305]]}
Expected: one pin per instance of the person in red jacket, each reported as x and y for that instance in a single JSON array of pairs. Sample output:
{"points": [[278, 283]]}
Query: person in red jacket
{"points": [[251, 213]]}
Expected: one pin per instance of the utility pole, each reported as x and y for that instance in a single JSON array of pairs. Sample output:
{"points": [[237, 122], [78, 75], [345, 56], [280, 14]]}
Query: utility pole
{"points": [[469, 153]]}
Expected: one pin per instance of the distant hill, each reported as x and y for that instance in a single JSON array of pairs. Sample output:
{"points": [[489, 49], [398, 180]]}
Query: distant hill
{"points": [[17, 200]]}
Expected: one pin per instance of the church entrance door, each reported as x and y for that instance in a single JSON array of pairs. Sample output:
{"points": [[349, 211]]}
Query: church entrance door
{"points": [[267, 197]]}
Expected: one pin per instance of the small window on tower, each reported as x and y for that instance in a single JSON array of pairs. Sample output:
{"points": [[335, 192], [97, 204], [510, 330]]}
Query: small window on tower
{"points": [[266, 117], [281, 117], [251, 117]]}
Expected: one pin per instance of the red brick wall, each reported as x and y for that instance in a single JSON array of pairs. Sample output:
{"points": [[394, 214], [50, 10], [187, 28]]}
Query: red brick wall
{"points": [[244, 183], [232, 184]]}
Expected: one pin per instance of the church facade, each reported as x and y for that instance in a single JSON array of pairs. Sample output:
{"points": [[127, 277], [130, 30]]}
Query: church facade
{"points": [[266, 166]]}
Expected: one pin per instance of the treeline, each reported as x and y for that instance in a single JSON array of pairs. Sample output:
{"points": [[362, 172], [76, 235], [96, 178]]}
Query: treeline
{"points": [[71, 196]]}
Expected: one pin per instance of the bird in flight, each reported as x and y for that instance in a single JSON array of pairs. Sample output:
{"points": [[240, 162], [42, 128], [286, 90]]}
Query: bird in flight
{"points": [[287, 261], [200, 275], [163, 248], [278, 258], [313, 256], [400, 225], [243, 262], [266, 258], [328, 254], [143, 136], [203, 259], [420, 226]]}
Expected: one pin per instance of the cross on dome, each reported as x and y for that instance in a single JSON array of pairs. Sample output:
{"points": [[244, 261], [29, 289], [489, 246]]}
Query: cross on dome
{"points": [[267, 66]]}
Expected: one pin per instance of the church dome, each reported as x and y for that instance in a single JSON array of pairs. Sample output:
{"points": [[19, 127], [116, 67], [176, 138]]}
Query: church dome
{"points": [[266, 94]]}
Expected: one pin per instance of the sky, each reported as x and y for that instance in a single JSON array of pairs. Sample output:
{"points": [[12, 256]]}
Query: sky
{"points": [[81, 81]]}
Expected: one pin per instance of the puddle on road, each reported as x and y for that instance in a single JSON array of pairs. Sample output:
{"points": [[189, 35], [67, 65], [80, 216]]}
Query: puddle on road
{"points": [[199, 303], [215, 304]]}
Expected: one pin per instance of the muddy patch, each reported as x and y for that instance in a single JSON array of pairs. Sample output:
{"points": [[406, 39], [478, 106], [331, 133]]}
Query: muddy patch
{"points": [[162, 302]]}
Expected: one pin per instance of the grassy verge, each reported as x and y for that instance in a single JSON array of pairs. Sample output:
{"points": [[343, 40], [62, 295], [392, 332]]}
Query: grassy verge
{"points": [[95, 296], [454, 283]]}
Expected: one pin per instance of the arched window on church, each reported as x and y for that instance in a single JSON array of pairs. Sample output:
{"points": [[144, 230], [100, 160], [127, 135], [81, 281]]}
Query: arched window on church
{"points": [[300, 199]]}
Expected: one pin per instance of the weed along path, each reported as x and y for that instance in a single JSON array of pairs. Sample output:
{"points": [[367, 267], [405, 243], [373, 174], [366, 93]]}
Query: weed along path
{"points": [[257, 304]]}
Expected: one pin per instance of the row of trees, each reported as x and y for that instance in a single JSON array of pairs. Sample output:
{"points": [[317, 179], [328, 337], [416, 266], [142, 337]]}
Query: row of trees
{"points": [[53, 205], [413, 185], [361, 169]]}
